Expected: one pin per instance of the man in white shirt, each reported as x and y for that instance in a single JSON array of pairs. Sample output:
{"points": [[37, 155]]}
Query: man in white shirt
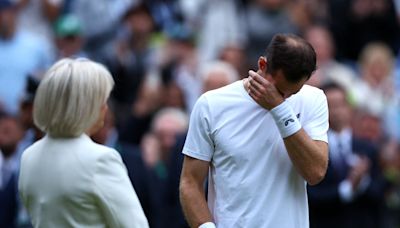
{"points": [[260, 140]]}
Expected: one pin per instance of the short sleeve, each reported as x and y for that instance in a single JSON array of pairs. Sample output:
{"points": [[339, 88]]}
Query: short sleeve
{"points": [[199, 143], [317, 123], [115, 195]]}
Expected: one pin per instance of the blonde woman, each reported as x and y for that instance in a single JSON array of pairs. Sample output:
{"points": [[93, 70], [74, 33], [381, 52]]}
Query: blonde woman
{"points": [[67, 180]]}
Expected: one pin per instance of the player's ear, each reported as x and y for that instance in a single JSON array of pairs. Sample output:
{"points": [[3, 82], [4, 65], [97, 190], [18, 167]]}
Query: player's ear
{"points": [[262, 64]]}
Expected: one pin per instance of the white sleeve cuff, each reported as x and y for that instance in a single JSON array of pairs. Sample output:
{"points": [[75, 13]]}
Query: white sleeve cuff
{"points": [[207, 225], [346, 191]]}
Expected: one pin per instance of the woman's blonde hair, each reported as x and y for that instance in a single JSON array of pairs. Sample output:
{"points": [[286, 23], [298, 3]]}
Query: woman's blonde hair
{"points": [[70, 96]]}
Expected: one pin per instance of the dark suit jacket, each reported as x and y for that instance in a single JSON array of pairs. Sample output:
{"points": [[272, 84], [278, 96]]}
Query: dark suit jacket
{"points": [[172, 188], [9, 204], [131, 156], [328, 210]]}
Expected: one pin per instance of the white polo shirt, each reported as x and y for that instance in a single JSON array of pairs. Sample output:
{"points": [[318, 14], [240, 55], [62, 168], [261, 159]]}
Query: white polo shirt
{"points": [[252, 181]]}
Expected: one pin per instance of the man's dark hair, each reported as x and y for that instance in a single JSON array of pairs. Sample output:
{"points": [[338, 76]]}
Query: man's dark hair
{"points": [[291, 54]]}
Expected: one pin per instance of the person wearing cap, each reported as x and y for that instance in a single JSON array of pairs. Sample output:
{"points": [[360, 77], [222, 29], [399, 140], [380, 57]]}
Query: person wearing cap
{"points": [[69, 40]]}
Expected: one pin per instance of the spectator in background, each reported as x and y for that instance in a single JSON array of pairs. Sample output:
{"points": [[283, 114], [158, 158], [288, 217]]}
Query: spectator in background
{"points": [[174, 84], [69, 40], [131, 59], [166, 13], [217, 23], [38, 16], [11, 133], [100, 20], [308, 12], [9, 202], [23, 124], [356, 23], [156, 149], [328, 70], [375, 92], [265, 18], [156, 146], [172, 96], [235, 55], [376, 68], [179, 63], [368, 125], [142, 111], [31, 132], [108, 134], [21, 53], [218, 74], [390, 161], [351, 193]]}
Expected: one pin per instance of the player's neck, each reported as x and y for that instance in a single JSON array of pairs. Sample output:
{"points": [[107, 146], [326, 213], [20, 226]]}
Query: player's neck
{"points": [[246, 84]]}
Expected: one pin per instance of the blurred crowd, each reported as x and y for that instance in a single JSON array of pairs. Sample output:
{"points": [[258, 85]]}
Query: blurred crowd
{"points": [[163, 54]]}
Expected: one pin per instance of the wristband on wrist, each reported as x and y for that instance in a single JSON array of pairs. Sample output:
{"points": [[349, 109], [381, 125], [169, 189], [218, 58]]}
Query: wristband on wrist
{"points": [[285, 119], [207, 225]]}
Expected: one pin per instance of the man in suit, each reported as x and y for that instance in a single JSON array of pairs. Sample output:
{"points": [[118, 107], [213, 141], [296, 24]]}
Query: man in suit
{"points": [[8, 203], [10, 135], [352, 191]]}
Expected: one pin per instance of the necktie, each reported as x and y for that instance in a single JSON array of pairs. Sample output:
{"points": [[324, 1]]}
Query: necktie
{"points": [[340, 161]]}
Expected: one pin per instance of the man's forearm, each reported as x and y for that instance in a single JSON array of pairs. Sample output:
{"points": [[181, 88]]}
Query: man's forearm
{"points": [[194, 204], [308, 156]]}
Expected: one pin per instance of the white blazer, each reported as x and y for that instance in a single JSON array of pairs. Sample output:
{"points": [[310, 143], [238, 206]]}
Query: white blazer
{"points": [[77, 183]]}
